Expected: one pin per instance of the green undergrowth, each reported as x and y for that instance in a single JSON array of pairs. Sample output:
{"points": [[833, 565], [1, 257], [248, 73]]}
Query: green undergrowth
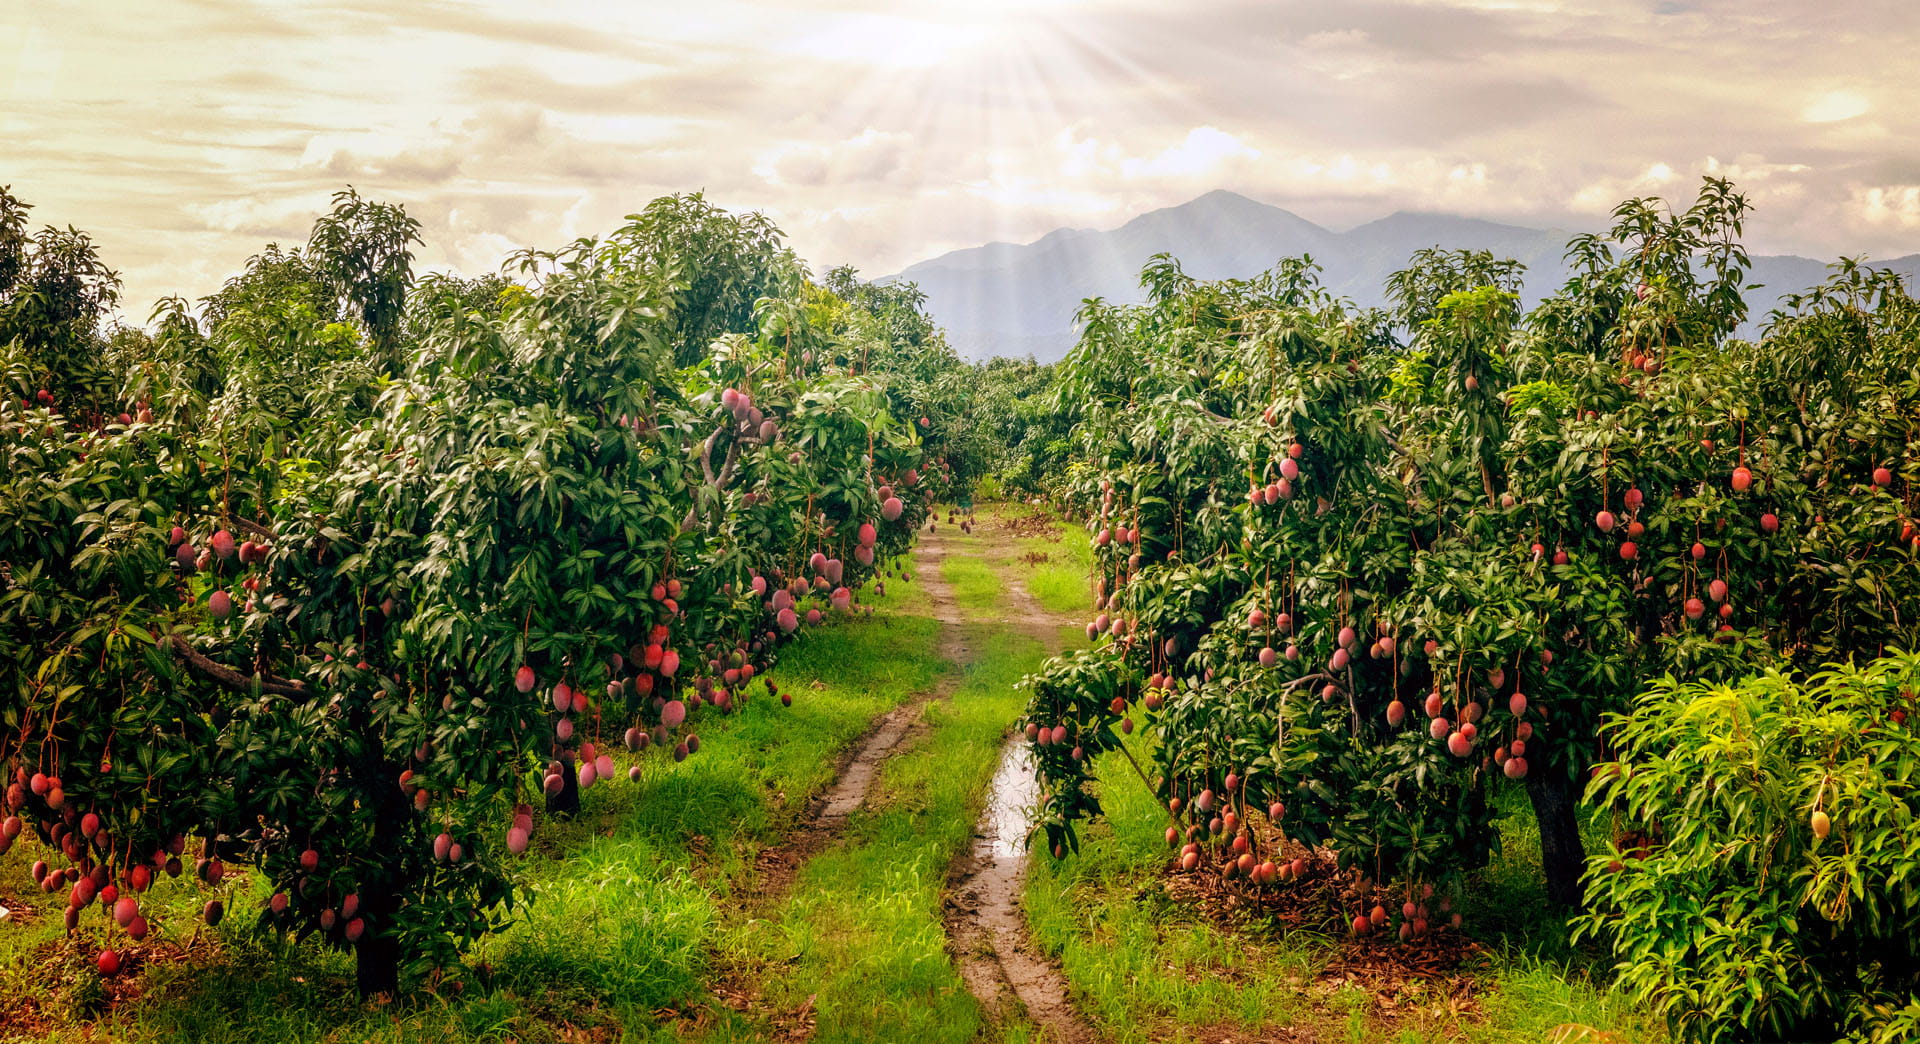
{"points": [[627, 898], [1147, 968]]}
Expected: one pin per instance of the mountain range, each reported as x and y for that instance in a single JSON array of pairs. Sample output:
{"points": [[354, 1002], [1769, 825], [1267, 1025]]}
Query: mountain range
{"points": [[1006, 299]]}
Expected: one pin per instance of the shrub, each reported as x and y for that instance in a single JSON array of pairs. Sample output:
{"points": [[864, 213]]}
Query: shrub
{"points": [[1727, 910]]}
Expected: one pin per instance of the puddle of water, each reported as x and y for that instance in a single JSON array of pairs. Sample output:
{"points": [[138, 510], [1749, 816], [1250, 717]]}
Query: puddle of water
{"points": [[1010, 804]]}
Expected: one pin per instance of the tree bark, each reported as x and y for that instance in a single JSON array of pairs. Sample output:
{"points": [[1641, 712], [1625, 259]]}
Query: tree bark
{"points": [[226, 676], [384, 872], [376, 964], [717, 483], [255, 528], [1562, 856]]}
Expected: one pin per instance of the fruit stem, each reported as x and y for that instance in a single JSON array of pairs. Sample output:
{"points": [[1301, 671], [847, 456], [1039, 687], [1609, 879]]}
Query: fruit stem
{"points": [[1145, 782]]}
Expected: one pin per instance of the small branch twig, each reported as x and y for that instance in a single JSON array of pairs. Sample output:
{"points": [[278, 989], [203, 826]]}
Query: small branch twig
{"points": [[227, 677]]}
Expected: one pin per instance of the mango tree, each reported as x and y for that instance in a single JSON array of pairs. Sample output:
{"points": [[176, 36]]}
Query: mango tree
{"points": [[1355, 578], [347, 640]]}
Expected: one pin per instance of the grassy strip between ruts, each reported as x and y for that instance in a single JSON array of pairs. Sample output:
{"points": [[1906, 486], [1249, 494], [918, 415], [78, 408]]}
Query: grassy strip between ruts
{"points": [[1058, 571], [860, 946], [861, 943], [1146, 968], [626, 907]]}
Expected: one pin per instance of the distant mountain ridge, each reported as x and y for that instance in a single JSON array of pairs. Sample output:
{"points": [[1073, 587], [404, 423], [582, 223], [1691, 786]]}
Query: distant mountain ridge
{"points": [[1019, 299]]}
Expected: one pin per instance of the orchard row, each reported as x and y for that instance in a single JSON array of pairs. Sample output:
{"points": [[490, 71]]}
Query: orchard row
{"points": [[1359, 569], [342, 577]]}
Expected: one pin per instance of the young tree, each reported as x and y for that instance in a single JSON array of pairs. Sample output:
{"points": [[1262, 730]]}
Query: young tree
{"points": [[363, 250]]}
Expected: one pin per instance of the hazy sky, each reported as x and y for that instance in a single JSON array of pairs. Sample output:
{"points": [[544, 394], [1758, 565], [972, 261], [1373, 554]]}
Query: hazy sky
{"points": [[186, 135]]}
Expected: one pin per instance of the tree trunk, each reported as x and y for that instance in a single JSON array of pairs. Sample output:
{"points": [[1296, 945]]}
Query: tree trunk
{"points": [[377, 964], [377, 953], [567, 802], [1562, 856]]}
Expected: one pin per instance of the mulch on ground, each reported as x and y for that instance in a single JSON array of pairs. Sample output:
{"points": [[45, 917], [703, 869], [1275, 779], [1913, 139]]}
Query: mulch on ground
{"points": [[1438, 967], [1040, 525]]}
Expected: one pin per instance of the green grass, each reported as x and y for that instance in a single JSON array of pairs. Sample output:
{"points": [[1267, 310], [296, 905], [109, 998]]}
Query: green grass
{"points": [[976, 584], [862, 934], [627, 897], [1060, 581], [1146, 968]]}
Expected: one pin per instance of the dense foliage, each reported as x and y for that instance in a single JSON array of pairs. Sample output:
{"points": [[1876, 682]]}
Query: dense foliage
{"points": [[1358, 568], [339, 579], [1768, 886], [1029, 437]]}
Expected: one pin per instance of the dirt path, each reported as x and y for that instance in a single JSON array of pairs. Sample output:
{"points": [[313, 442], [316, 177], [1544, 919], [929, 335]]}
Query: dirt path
{"points": [[986, 926], [778, 865]]}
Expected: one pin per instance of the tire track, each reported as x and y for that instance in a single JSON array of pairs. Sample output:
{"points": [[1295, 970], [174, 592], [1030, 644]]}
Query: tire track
{"points": [[777, 866], [986, 923]]}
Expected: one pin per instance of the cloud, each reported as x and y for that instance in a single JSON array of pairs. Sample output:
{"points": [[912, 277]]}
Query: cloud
{"points": [[265, 218], [1834, 106], [1883, 205], [854, 163], [880, 132], [582, 36], [698, 90], [1202, 152]]}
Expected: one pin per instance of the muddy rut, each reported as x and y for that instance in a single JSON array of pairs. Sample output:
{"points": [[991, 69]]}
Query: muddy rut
{"points": [[986, 926]]}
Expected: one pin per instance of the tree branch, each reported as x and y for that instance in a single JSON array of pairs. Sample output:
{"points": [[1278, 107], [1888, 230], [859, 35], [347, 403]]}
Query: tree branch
{"points": [[227, 677], [718, 483], [706, 455], [1306, 679], [726, 470], [706, 471], [1419, 488], [255, 528]]}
